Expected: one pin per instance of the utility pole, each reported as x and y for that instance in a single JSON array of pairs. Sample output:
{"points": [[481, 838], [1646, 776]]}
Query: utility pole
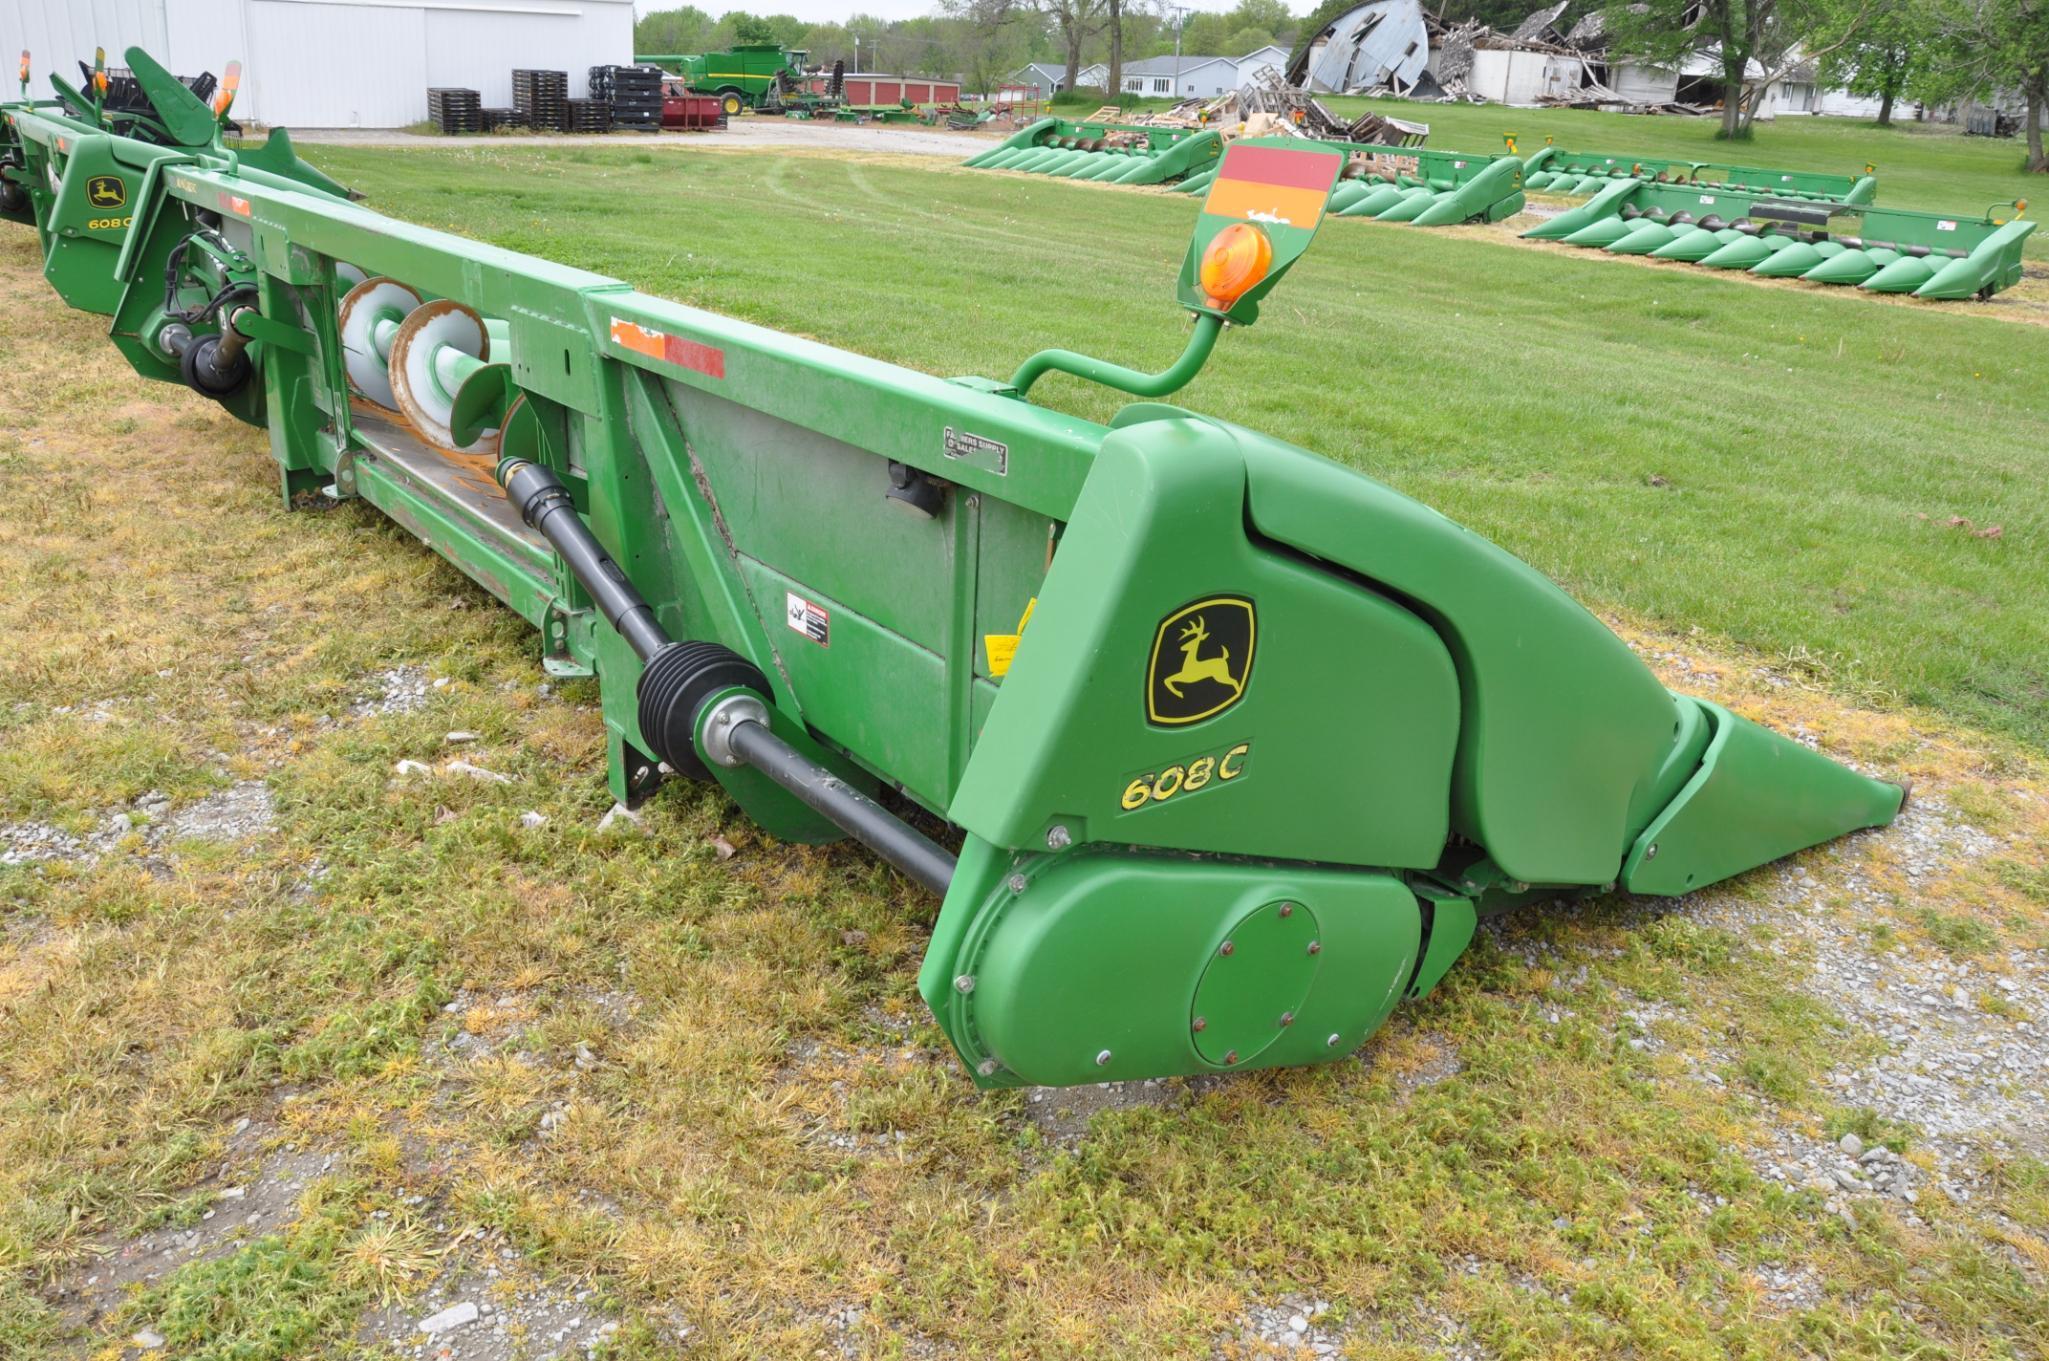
{"points": [[1181, 13]]}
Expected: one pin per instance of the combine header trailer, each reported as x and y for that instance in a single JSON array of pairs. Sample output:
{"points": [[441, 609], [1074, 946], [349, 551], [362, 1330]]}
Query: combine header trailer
{"points": [[1883, 250], [1551, 170], [1220, 748]]}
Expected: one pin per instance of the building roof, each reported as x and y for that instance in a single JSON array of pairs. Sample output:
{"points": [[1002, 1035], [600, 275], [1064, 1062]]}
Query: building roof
{"points": [[1164, 66]]}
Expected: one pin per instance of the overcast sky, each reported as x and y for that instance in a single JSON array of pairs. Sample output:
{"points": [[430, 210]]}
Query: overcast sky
{"points": [[832, 11]]}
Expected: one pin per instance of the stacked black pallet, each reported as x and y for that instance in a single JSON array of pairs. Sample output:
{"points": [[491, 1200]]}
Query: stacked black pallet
{"points": [[455, 111], [633, 92], [586, 115], [494, 119], [543, 96]]}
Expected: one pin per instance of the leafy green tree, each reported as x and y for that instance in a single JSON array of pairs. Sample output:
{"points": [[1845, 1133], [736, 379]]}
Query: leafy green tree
{"points": [[1885, 59], [1740, 37], [1990, 47], [681, 30]]}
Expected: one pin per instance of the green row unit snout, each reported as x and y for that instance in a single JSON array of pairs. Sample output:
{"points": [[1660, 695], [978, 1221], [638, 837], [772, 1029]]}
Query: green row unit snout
{"points": [[1553, 170], [1881, 250], [1380, 728], [1425, 187], [1103, 151]]}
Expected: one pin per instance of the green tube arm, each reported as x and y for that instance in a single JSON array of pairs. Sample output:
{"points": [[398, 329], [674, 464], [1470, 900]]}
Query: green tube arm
{"points": [[1172, 379]]}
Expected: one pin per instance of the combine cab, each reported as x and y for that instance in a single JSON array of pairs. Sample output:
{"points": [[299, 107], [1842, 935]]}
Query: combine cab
{"points": [[1215, 750]]}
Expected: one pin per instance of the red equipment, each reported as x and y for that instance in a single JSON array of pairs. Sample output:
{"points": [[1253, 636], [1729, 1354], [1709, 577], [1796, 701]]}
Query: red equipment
{"points": [[867, 90], [682, 109]]}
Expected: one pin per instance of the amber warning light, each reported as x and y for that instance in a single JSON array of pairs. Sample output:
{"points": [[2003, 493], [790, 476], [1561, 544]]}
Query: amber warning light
{"points": [[1238, 257]]}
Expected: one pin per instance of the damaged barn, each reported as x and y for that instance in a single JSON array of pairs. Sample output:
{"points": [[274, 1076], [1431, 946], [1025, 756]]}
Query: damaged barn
{"points": [[1395, 47]]}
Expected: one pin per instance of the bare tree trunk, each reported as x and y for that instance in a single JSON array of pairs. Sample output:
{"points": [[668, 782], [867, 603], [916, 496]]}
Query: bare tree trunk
{"points": [[1885, 109], [1070, 29]]}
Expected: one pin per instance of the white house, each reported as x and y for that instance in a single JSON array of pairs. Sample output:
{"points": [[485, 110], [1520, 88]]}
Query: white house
{"points": [[1049, 78], [1253, 62], [333, 63], [1197, 77]]}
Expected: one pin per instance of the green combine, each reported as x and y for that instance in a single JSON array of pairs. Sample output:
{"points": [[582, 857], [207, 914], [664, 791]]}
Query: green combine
{"points": [[745, 76], [1215, 750]]}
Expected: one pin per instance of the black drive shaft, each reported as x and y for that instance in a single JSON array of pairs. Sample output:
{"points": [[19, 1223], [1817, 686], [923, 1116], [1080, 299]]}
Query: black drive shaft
{"points": [[684, 685]]}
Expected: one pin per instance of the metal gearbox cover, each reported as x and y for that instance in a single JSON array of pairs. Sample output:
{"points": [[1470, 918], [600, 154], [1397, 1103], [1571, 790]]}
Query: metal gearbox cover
{"points": [[1110, 965]]}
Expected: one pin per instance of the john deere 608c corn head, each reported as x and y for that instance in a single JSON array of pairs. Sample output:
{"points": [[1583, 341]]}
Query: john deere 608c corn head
{"points": [[1235, 743]]}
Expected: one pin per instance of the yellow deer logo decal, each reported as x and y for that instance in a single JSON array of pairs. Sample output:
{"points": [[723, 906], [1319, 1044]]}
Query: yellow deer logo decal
{"points": [[1195, 666], [1201, 660]]}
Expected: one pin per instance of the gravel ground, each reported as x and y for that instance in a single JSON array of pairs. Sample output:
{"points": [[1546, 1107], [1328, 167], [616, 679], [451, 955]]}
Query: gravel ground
{"points": [[237, 813], [742, 134]]}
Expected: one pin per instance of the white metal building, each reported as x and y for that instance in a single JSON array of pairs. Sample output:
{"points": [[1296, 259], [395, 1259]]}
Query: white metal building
{"points": [[331, 63]]}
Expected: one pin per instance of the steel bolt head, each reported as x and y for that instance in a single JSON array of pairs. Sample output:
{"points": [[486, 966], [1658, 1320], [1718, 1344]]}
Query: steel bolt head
{"points": [[1650, 852], [1102, 1058], [1201, 1024], [1058, 837], [1287, 910], [1287, 1019], [964, 984], [988, 1067], [1315, 947], [1227, 948], [1332, 1042], [1231, 1057], [1016, 883]]}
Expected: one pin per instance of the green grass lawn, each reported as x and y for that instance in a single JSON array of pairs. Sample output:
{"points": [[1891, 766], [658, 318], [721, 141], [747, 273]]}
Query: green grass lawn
{"points": [[1777, 466], [1927, 166]]}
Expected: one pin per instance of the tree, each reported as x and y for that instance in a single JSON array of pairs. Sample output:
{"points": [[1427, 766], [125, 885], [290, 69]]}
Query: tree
{"points": [[749, 29], [1075, 22], [673, 30], [1735, 35], [1885, 59], [1987, 47]]}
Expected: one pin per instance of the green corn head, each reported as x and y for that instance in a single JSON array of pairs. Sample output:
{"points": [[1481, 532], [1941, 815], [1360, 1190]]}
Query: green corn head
{"points": [[1235, 744], [1103, 151], [1425, 187], [1881, 250], [1553, 170]]}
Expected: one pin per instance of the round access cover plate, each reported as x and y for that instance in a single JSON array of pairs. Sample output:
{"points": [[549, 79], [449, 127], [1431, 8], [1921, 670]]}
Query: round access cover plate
{"points": [[1256, 981]]}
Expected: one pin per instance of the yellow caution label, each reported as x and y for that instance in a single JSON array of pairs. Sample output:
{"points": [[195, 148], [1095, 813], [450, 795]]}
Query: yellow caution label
{"points": [[1001, 647]]}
